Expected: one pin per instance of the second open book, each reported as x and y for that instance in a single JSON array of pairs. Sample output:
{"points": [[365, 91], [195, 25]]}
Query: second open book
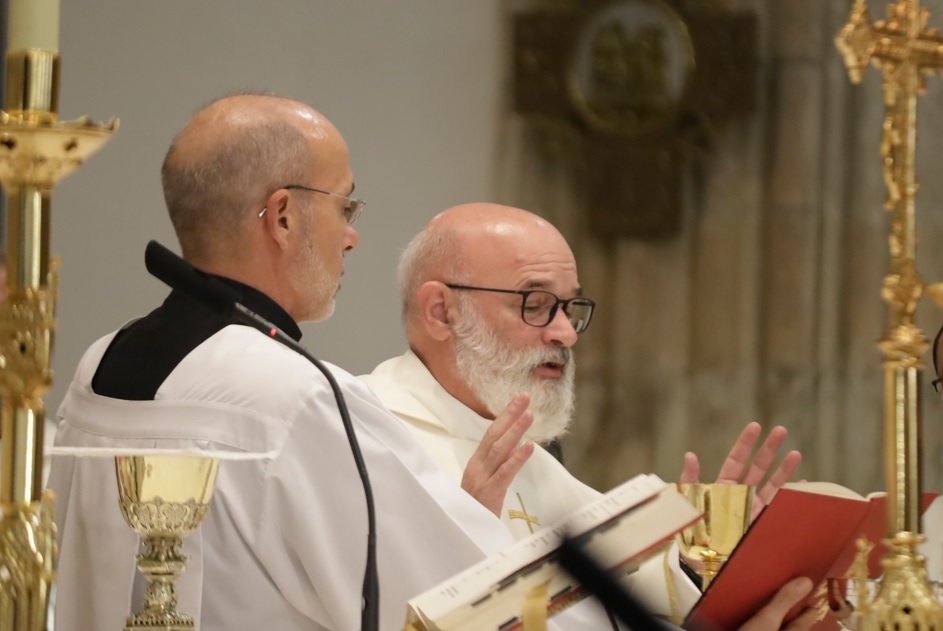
{"points": [[620, 529], [809, 529]]}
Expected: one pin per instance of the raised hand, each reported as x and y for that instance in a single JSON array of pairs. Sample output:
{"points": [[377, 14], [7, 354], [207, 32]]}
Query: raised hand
{"points": [[500, 456], [739, 468]]}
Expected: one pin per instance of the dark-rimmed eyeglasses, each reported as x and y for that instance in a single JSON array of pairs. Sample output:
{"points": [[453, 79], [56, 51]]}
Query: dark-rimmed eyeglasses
{"points": [[351, 211], [539, 307]]}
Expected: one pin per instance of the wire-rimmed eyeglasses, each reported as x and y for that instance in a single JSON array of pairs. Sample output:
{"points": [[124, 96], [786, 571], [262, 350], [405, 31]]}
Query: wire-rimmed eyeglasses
{"points": [[538, 307], [351, 211]]}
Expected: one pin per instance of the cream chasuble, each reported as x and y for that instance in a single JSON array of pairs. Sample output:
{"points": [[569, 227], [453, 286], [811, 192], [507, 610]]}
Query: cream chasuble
{"points": [[542, 493]]}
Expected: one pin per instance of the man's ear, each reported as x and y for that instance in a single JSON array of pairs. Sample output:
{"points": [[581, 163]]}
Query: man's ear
{"points": [[437, 309], [278, 218]]}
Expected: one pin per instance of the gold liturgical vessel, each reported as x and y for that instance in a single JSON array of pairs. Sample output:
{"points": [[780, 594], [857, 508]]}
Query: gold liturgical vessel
{"points": [[36, 151], [163, 499], [711, 540], [906, 50]]}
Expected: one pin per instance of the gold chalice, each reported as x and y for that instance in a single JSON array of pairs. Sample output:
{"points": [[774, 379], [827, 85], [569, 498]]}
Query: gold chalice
{"points": [[163, 498], [710, 541]]}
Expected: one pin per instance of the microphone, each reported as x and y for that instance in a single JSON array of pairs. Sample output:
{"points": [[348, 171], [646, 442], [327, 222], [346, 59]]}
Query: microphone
{"points": [[196, 283], [597, 581], [224, 300]]}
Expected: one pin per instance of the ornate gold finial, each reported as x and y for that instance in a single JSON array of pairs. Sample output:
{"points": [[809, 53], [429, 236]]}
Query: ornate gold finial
{"points": [[906, 50]]}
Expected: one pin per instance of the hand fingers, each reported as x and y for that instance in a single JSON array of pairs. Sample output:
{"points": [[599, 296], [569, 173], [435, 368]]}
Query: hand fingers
{"points": [[511, 413], [812, 614], [691, 470], [504, 433], [499, 456], [765, 456], [490, 490], [732, 469], [789, 464], [501, 445], [770, 617], [504, 475]]}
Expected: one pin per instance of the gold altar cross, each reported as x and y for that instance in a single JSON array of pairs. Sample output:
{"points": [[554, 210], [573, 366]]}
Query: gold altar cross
{"points": [[906, 50], [522, 514]]}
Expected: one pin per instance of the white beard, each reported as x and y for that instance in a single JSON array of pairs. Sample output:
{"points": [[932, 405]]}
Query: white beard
{"points": [[496, 373]]}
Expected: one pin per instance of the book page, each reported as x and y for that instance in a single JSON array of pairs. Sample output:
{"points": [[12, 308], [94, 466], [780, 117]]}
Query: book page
{"points": [[824, 488], [626, 523], [798, 534]]}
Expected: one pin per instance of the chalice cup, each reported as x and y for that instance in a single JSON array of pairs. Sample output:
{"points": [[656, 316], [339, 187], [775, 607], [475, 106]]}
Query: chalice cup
{"points": [[163, 498], [710, 541]]}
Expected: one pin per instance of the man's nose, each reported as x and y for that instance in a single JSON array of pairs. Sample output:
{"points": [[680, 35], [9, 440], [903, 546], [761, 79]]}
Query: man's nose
{"points": [[351, 238], [560, 332]]}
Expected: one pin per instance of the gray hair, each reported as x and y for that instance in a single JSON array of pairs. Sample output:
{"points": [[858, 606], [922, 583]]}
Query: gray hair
{"points": [[211, 191], [433, 254]]}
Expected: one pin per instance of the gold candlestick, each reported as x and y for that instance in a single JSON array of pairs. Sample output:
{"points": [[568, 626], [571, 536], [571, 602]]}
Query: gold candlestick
{"points": [[36, 151], [906, 51]]}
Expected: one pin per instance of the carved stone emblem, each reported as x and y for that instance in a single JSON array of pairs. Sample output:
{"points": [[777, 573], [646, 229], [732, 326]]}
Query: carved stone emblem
{"points": [[625, 90]]}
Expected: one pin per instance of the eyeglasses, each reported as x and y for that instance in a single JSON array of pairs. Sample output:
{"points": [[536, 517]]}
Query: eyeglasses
{"points": [[351, 211], [539, 307]]}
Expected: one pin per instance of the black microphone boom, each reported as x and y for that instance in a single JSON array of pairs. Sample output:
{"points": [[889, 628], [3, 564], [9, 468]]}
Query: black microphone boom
{"points": [[197, 284], [202, 287]]}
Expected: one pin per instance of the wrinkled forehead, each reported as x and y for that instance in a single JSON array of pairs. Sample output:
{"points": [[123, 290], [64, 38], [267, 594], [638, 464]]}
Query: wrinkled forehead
{"points": [[515, 256]]}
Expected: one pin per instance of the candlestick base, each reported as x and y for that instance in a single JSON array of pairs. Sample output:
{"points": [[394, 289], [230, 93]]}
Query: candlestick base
{"points": [[27, 550], [905, 600]]}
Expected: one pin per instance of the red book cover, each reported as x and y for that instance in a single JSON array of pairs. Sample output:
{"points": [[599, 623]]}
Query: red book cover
{"points": [[873, 529], [800, 533]]}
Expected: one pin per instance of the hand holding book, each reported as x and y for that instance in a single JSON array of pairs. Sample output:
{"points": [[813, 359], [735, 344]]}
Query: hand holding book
{"points": [[810, 530]]}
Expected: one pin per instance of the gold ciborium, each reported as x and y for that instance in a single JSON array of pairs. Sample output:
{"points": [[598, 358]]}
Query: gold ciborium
{"points": [[710, 541], [163, 498]]}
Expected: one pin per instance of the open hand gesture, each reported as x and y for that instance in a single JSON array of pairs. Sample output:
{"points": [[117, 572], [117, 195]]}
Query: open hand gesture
{"points": [[738, 468], [500, 456]]}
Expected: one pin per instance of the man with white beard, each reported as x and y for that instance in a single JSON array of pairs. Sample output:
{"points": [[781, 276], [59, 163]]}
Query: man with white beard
{"points": [[481, 287]]}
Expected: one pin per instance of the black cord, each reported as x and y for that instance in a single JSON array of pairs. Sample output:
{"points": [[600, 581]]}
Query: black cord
{"points": [[179, 274], [369, 620], [612, 618], [936, 369]]}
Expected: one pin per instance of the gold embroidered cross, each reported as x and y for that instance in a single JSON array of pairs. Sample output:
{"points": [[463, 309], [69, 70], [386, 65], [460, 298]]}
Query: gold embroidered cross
{"points": [[522, 514]]}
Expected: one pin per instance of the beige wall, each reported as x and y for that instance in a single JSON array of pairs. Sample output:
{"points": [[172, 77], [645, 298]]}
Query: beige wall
{"points": [[765, 308], [411, 84]]}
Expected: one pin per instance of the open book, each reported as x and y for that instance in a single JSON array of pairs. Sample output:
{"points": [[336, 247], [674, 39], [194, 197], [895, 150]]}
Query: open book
{"points": [[809, 529], [620, 529]]}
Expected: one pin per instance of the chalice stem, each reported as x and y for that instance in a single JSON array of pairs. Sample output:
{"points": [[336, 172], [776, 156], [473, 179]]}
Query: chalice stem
{"points": [[708, 572], [161, 564]]}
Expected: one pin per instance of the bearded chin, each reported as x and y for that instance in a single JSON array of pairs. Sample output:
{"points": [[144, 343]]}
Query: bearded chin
{"points": [[552, 404], [496, 373]]}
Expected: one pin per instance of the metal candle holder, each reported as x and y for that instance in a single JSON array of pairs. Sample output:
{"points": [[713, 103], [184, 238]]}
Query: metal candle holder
{"points": [[36, 151]]}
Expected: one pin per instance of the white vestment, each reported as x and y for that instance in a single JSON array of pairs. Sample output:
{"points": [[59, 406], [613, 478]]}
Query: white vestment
{"points": [[932, 548], [283, 546], [543, 490]]}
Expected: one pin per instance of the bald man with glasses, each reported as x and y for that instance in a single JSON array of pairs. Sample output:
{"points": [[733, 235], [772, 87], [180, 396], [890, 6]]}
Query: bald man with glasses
{"points": [[492, 307]]}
